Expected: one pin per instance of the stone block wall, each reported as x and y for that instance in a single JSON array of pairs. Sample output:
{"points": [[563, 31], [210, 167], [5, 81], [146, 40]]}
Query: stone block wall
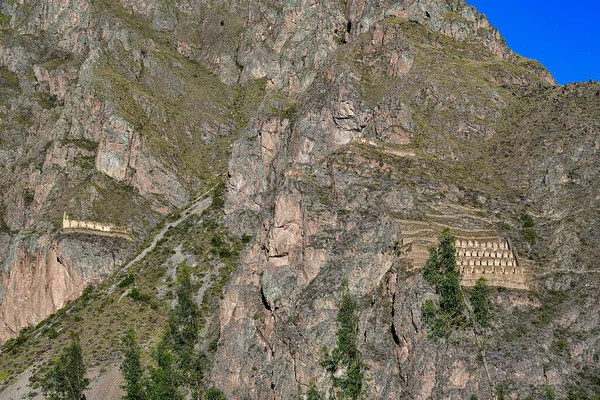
{"points": [[93, 226], [492, 259]]}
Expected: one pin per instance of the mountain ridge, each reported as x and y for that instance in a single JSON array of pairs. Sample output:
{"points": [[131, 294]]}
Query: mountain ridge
{"points": [[124, 112]]}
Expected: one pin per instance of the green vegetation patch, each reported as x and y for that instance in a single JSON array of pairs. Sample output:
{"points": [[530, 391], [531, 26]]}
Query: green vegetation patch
{"points": [[103, 314], [8, 80], [5, 19], [528, 228], [128, 280], [450, 310], [481, 303], [345, 356], [82, 143], [441, 272]]}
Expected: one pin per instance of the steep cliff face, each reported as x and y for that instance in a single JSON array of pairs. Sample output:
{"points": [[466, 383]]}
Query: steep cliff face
{"points": [[43, 274], [357, 131], [104, 120], [454, 127], [104, 90]]}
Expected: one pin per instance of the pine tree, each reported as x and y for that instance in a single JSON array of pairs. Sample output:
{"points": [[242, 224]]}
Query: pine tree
{"points": [[441, 272], [66, 380], [183, 327], [480, 300], [164, 380], [131, 368], [346, 355], [184, 320]]}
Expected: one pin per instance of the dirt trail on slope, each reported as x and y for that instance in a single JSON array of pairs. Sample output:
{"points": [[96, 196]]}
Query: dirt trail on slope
{"points": [[198, 206]]}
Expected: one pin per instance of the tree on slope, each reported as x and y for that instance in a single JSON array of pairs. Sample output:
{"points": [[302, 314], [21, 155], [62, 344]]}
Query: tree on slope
{"points": [[66, 380], [164, 381], [346, 356], [183, 328], [441, 272], [481, 303], [131, 368]]}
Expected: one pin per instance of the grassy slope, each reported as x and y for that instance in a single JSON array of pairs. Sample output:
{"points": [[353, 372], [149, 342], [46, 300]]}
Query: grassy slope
{"points": [[183, 111], [104, 312], [476, 79], [201, 120]]}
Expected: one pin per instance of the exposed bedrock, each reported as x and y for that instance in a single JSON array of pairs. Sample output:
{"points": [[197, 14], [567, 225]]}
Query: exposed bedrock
{"points": [[43, 273]]}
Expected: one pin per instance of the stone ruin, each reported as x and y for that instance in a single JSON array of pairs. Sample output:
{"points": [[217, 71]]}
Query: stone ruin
{"points": [[493, 259], [480, 253], [92, 227]]}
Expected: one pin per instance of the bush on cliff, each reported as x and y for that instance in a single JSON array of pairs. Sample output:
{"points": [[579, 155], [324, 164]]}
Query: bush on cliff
{"points": [[346, 355], [66, 380], [481, 303], [441, 272]]}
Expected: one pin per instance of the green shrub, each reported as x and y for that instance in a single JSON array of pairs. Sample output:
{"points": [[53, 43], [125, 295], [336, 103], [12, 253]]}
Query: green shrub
{"points": [[313, 393], [28, 197], [217, 241], [529, 234], [137, 295], [561, 346], [214, 394], [549, 393], [500, 393], [218, 198], [213, 345], [527, 228], [11, 345], [128, 280], [527, 221], [53, 333], [224, 252], [346, 354], [87, 292], [221, 247], [5, 19], [481, 303], [441, 272], [246, 238]]}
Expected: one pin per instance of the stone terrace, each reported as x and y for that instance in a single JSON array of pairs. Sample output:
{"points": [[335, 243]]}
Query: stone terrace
{"points": [[479, 253], [491, 258], [95, 228]]}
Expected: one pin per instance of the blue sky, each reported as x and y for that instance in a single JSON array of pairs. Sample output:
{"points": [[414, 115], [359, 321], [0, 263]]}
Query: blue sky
{"points": [[563, 35]]}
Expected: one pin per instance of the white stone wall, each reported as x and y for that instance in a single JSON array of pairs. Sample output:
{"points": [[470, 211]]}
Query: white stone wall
{"points": [[493, 260], [92, 226]]}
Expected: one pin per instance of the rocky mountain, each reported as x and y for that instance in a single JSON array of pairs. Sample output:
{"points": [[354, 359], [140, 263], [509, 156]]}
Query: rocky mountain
{"points": [[292, 154]]}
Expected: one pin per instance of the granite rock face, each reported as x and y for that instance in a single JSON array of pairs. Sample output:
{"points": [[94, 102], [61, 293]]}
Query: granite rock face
{"points": [[374, 125], [43, 273], [324, 206]]}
